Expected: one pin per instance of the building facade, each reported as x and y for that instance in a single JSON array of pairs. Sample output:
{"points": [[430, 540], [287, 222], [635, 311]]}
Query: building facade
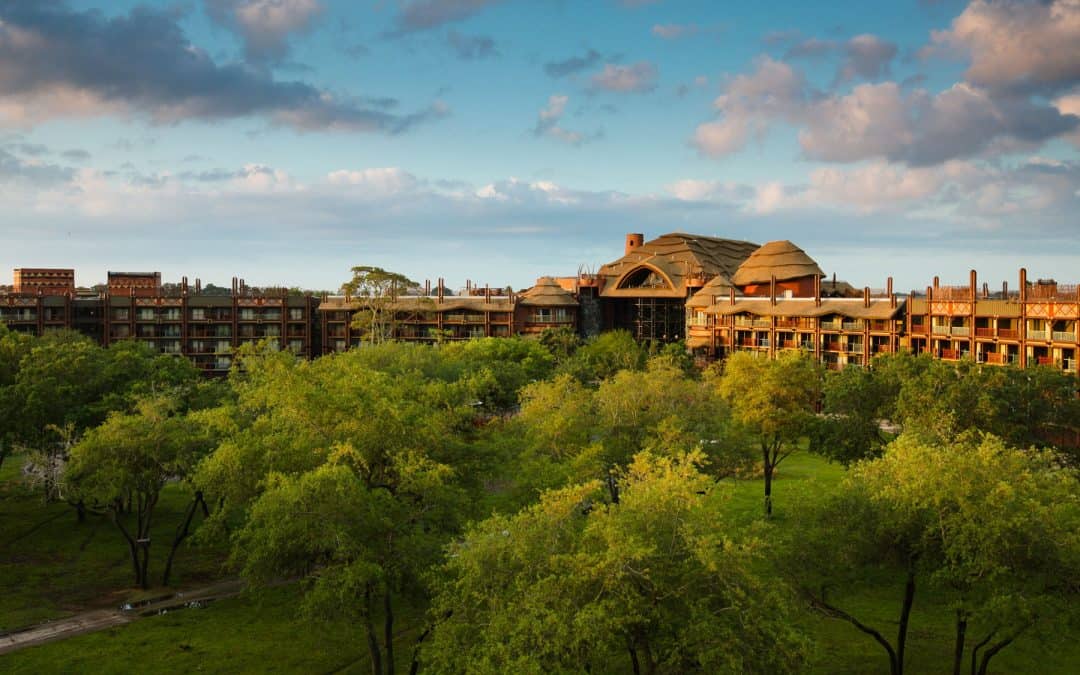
{"points": [[716, 295]]}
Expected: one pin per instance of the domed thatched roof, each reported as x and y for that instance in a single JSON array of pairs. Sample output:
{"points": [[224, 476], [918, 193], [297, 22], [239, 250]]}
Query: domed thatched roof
{"points": [[548, 293], [717, 286], [675, 257], [781, 259]]}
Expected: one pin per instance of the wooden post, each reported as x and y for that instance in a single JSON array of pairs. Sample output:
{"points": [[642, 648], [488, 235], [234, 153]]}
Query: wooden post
{"points": [[1022, 328]]}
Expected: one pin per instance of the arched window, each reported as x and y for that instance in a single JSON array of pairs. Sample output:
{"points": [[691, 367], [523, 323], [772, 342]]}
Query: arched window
{"points": [[644, 277]]}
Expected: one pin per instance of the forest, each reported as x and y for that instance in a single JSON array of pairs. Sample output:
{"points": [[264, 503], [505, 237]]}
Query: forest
{"points": [[551, 505]]}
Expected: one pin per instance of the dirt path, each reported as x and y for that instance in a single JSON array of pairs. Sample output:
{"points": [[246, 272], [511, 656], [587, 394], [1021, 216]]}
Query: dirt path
{"points": [[100, 619]]}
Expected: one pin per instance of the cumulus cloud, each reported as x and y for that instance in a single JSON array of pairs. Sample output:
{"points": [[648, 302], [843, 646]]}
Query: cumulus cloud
{"points": [[471, 47], [57, 62], [876, 120], [548, 123], [864, 56], [573, 64], [420, 15], [749, 104], [635, 78], [1016, 46], [265, 26]]}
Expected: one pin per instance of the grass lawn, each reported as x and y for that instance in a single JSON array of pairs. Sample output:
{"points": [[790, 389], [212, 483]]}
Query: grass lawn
{"points": [[52, 566], [256, 633]]}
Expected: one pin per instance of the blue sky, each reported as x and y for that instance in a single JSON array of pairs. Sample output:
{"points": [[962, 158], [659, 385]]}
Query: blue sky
{"points": [[284, 141]]}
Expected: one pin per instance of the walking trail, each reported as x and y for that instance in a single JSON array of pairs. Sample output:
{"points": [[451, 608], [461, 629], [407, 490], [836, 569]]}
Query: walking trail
{"points": [[100, 619]]}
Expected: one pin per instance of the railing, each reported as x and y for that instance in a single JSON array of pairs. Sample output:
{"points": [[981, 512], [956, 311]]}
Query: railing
{"points": [[790, 344], [747, 342], [950, 354], [761, 323], [787, 323], [830, 325], [960, 331], [941, 330], [763, 342], [1063, 336], [833, 347], [984, 332], [852, 325], [882, 349], [994, 357], [855, 348], [879, 326], [743, 323], [1069, 365], [1044, 360], [918, 328], [1008, 333], [1038, 335], [1052, 291]]}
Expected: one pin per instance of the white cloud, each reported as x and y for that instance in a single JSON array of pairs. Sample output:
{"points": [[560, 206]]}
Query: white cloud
{"points": [[548, 123], [635, 78], [1017, 45]]}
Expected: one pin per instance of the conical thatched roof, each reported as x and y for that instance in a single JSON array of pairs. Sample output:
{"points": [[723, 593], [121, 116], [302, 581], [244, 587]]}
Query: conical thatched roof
{"points": [[781, 259], [547, 293], [718, 286]]}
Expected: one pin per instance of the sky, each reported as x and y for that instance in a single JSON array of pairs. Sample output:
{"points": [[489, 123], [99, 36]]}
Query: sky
{"points": [[285, 141]]}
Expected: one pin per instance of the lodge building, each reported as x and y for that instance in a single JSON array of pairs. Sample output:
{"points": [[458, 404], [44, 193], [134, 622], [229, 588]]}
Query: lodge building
{"points": [[716, 295]]}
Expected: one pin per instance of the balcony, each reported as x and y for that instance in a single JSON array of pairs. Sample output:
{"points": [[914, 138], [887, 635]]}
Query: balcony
{"points": [[996, 358], [941, 330], [830, 325], [833, 347], [854, 348], [960, 331], [1008, 333], [918, 328], [1063, 336], [984, 332], [852, 325], [1069, 365], [1044, 360], [1038, 335], [950, 354]]}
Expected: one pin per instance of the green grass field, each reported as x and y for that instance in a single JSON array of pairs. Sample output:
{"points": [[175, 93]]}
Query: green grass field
{"points": [[61, 567]]}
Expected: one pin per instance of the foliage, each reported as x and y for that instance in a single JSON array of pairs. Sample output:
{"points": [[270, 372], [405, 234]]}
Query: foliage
{"points": [[773, 401], [605, 355], [992, 528], [375, 290], [125, 463], [574, 584]]}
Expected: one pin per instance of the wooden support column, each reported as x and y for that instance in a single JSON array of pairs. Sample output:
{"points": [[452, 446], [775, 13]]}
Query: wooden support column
{"points": [[1022, 328], [974, 299]]}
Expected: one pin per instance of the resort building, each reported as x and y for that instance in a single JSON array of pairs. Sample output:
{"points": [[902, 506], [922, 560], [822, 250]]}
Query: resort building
{"points": [[716, 295]]}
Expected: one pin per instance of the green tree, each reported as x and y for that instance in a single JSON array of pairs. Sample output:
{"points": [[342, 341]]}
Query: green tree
{"points": [[992, 529], [773, 401], [578, 584], [856, 402], [375, 290], [124, 464], [605, 355]]}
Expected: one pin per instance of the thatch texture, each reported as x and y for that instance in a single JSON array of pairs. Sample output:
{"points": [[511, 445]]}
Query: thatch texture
{"points": [[780, 259], [719, 286], [676, 258], [547, 293]]}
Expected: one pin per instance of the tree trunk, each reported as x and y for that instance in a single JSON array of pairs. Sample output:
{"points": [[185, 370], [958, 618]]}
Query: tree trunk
{"points": [[388, 630], [633, 657], [767, 468], [372, 638], [975, 650], [905, 616], [181, 534], [958, 649], [650, 662]]}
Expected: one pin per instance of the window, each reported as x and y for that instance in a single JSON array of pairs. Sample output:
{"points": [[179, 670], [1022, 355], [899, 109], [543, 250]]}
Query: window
{"points": [[120, 314], [644, 278], [198, 314], [296, 313], [146, 314]]}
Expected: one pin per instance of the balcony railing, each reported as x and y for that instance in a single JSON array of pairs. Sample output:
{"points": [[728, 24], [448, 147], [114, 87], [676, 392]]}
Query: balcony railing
{"points": [[1038, 335], [1064, 336], [994, 357], [854, 348], [1008, 333], [833, 347], [830, 325], [984, 332], [1069, 365], [960, 331], [852, 325], [950, 354], [918, 328], [941, 330], [1044, 360]]}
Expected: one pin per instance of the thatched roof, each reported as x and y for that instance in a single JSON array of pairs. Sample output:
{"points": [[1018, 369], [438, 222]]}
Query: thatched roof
{"points": [[548, 293], [720, 285], [675, 258], [880, 308], [781, 259]]}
